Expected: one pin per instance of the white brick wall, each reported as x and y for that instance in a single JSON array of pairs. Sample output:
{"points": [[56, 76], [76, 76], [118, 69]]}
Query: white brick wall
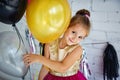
{"points": [[106, 5], [105, 19]]}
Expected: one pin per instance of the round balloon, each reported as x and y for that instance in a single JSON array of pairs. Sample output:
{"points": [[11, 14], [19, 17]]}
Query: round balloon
{"points": [[11, 11], [11, 52], [48, 19], [4, 76]]}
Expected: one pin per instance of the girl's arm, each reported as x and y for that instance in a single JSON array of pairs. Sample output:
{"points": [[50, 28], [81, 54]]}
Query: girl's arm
{"points": [[44, 70], [60, 66]]}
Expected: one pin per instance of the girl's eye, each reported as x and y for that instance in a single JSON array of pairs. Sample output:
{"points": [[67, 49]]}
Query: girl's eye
{"points": [[80, 37], [73, 31]]}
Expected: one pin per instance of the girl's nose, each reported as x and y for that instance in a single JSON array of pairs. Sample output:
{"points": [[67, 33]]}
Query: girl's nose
{"points": [[74, 38]]}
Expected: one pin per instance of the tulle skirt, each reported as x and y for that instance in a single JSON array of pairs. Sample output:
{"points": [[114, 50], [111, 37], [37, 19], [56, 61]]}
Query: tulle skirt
{"points": [[78, 76]]}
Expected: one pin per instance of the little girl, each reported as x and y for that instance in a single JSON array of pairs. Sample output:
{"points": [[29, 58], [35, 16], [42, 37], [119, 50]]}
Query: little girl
{"points": [[62, 57]]}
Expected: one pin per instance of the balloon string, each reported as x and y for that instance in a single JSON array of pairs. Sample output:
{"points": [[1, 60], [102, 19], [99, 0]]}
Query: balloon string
{"points": [[32, 50], [31, 41], [20, 38]]}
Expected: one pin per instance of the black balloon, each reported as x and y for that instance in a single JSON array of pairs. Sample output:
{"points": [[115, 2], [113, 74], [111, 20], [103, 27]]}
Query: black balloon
{"points": [[11, 11]]}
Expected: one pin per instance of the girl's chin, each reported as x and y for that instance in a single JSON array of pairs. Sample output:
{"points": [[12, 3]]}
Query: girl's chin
{"points": [[70, 44]]}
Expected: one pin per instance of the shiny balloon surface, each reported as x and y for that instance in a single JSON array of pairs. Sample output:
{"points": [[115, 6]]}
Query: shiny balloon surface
{"points": [[11, 52], [11, 11], [48, 19], [4, 76]]}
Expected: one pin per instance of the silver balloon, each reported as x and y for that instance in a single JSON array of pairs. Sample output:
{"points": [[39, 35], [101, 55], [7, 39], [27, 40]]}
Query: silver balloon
{"points": [[11, 52], [4, 76]]}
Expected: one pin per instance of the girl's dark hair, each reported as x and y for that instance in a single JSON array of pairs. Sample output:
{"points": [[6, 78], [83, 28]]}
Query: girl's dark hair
{"points": [[81, 17]]}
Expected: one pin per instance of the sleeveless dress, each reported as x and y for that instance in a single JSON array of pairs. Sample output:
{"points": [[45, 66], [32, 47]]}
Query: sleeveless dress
{"points": [[57, 54]]}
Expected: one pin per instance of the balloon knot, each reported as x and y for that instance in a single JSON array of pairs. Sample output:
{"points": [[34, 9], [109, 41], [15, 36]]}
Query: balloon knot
{"points": [[13, 25]]}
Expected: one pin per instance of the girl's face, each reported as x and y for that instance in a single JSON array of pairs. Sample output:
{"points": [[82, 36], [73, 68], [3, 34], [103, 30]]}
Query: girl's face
{"points": [[75, 34]]}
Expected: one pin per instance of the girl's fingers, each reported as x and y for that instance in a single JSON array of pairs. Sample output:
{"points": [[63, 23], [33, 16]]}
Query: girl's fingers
{"points": [[27, 60], [27, 63], [25, 55]]}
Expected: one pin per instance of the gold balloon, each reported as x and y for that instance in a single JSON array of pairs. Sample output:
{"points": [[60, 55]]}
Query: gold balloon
{"points": [[48, 19]]}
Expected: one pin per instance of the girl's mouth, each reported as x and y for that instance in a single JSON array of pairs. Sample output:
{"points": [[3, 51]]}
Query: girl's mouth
{"points": [[71, 40]]}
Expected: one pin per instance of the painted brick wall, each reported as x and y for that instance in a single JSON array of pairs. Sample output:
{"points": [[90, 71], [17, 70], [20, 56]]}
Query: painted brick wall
{"points": [[105, 19]]}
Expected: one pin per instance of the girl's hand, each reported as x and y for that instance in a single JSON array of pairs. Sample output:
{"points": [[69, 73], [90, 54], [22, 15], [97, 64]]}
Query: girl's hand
{"points": [[30, 58]]}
